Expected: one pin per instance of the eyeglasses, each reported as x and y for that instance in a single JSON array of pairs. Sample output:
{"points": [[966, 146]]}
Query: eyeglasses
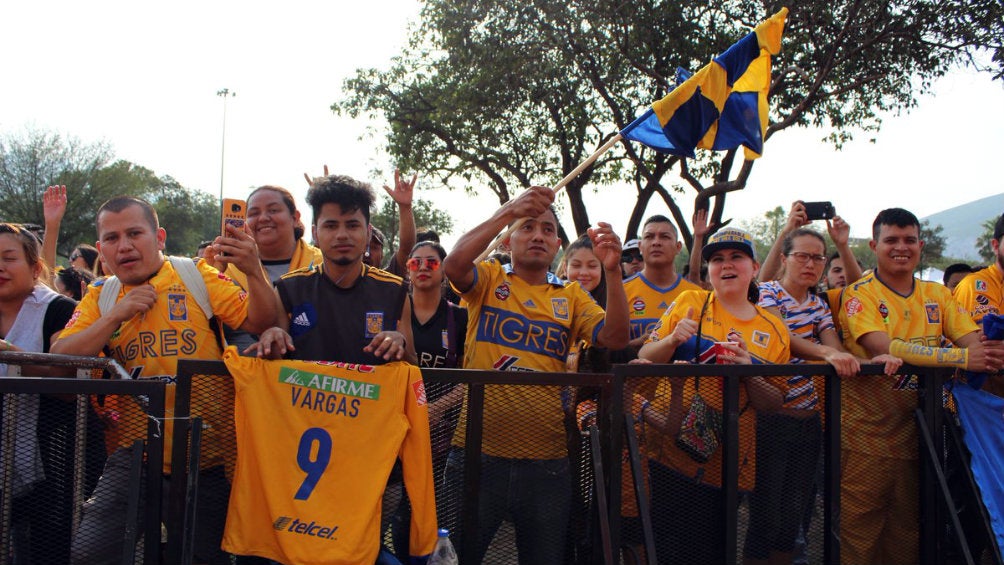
{"points": [[416, 263], [630, 257], [803, 257]]}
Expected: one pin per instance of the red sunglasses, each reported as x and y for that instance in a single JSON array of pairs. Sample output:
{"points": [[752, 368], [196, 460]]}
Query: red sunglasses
{"points": [[416, 263]]}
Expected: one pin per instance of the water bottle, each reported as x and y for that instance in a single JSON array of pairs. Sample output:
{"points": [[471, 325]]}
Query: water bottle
{"points": [[444, 554]]}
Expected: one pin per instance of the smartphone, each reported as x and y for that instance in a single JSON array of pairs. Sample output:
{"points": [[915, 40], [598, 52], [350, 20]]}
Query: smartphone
{"points": [[819, 210], [234, 214]]}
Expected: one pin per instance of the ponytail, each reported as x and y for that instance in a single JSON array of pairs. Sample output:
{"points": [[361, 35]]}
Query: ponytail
{"points": [[753, 294]]}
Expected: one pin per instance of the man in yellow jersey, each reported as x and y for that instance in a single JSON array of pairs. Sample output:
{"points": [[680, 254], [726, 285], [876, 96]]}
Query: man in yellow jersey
{"points": [[890, 311], [522, 318], [156, 321], [982, 293], [653, 289]]}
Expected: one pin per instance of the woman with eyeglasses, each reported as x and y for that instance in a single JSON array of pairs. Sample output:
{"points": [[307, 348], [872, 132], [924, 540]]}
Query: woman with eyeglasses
{"points": [[31, 316], [84, 257], [789, 439]]}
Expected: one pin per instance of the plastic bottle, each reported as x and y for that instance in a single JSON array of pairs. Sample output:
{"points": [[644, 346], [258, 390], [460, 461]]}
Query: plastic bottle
{"points": [[444, 554]]}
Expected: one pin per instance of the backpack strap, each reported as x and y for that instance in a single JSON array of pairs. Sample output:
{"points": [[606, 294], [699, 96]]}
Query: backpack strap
{"points": [[190, 277], [193, 281], [109, 294]]}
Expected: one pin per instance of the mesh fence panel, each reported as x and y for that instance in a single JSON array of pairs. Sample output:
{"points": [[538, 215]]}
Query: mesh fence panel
{"points": [[73, 473]]}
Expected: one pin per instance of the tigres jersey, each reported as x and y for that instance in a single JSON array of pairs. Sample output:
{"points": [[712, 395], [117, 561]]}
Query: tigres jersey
{"points": [[330, 322], [316, 441], [877, 411], [767, 340], [149, 346], [516, 326], [982, 292], [647, 302]]}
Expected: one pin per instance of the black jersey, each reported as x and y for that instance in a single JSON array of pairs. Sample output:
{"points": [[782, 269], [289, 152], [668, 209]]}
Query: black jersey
{"points": [[331, 323]]}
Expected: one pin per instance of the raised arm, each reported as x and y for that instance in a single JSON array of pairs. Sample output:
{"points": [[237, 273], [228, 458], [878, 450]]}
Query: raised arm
{"points": [[53, 209], [459, 264], [840, 233], [701, 230], [616, 330], [771, 268], [402, 194]]}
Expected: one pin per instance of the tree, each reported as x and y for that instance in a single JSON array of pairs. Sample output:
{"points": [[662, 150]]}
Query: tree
{"points": [[766, 230], [426, 217], [500, 94], [934, 243], [983, 241], [31, 160], [189, 216], [34, 159]]}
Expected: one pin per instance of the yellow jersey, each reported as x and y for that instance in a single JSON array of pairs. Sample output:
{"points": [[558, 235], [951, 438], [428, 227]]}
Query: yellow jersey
{"points": [[982, 292], [516, 326], [767, 340], [149, 346], [647, 302], [877, 411], [316, 441]]}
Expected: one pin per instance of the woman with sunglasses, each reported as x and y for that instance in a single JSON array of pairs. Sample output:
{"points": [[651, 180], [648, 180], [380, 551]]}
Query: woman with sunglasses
{"points": [[438, 328], [789, 439], [722, 326], [31, 317]]}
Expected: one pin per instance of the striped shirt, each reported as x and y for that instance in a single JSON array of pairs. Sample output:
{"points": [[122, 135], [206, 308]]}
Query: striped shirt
{"points": [[806, 320]]}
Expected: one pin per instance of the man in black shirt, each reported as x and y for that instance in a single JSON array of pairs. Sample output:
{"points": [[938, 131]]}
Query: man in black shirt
{"points": [[341, 309]]}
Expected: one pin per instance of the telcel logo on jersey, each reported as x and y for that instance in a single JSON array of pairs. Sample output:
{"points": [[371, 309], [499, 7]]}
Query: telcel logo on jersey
{"points": [[312, 528]]}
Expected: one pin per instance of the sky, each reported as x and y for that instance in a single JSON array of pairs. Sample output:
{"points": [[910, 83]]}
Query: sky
{"points": [[144, 77]]}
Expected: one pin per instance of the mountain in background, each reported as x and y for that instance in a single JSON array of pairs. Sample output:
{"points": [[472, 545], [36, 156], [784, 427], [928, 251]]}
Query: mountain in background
{"points": [[963, 224]]}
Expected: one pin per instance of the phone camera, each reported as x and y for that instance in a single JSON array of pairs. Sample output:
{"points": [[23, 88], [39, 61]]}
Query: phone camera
{"points": [[235, 208]]}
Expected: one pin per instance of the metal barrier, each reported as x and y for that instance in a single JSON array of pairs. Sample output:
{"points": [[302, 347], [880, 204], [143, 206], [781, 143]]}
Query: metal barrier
{"points": [[39, 519], [589, 533]]}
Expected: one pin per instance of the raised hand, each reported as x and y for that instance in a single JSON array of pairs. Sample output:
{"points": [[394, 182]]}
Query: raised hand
{"points": [[839, 231], [310, 181], [606, 246], [403, 190], [54, 204]]}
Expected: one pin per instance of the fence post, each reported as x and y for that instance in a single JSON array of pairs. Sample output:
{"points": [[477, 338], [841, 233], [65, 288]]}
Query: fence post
{"points": [[931, 511], [472, 472], [612, 434], [730, 467], [831, 472]]}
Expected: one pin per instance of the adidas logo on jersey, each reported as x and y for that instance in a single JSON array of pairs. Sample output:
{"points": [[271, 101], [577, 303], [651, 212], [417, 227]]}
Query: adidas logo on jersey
{"points": [[295, 526], [302, 320], [529, 304]]}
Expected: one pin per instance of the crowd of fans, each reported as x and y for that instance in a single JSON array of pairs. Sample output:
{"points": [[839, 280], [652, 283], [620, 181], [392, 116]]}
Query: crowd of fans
{"points": [[337, 298]]}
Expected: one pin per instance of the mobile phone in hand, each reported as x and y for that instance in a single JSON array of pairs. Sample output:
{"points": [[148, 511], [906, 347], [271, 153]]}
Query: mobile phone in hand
{"points": [[819, 210], [234, 214]]}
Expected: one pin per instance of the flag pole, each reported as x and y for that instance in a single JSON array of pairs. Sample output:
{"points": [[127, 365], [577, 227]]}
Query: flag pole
{"points": [[557, 188]]}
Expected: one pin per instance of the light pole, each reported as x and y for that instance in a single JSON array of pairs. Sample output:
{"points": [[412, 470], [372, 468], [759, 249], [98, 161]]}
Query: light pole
{"points": [[225, 93]]}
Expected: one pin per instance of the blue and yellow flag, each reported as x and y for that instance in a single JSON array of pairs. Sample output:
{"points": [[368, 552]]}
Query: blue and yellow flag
{"points": [[721, 106]]}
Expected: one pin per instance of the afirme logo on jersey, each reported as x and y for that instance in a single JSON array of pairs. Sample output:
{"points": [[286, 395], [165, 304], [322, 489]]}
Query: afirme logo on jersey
{"points": [[312, 529]]}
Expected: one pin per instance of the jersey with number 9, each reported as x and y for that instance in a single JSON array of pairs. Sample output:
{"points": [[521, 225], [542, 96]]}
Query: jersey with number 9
{"points": [[316, 443]]}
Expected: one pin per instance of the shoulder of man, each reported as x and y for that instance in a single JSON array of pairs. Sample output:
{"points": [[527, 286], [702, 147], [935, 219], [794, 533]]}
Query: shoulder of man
{"points": [[381, 275]]}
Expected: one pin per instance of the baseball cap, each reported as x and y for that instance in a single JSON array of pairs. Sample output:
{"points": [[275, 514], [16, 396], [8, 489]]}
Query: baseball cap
{"points": [[729, 238], [376, 236], [631, 244]]}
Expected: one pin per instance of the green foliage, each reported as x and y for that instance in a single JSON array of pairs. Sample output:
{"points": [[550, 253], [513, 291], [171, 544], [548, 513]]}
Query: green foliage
{"points": [[934, 244], [188, 216], [427, 217], [765, 230], [983, 241], [34, 159], [498, 94]]}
